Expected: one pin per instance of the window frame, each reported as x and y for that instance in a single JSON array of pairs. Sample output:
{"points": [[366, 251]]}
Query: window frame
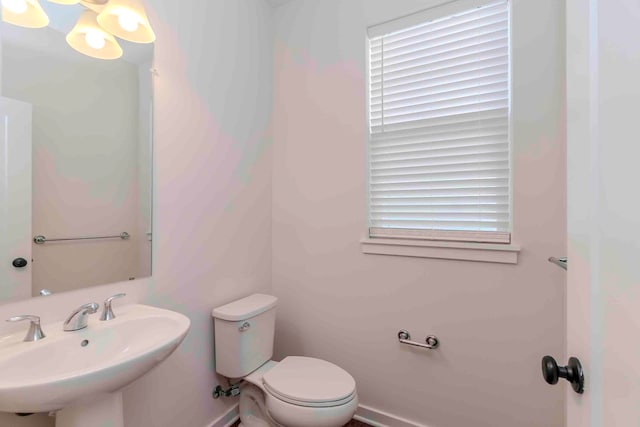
{"points": [[413, 243]]}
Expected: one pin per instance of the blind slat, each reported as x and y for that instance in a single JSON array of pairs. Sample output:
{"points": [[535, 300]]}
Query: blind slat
{"points": [[443, 160], [442, 200], [455, 207], [444, 224], [434, 234], [452, 45], [445, 98], [444, 59], [446, 127], [490, 147], [497, 19], [440, 86], [439, 157], [464, 177], [495, 58], [449, 168], [444, 109], [418, 143], [425, 125]]}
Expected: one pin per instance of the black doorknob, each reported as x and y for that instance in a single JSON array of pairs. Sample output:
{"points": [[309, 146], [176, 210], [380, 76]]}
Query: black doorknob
{"points": [[19, 263], [572, 372]]}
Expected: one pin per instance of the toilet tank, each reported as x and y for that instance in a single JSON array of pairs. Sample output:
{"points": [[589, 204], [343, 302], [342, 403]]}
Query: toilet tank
{"points": [[244, 332]]}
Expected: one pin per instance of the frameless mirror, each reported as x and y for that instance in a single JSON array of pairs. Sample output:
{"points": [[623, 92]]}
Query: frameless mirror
{"points": [[75, 154]]}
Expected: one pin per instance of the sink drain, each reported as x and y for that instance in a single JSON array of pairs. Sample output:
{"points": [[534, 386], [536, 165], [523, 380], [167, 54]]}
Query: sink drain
{"points": [[84, 343]]}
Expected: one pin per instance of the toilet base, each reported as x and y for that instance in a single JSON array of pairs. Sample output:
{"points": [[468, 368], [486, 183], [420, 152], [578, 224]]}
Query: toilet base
{"points": [[253, 411]]}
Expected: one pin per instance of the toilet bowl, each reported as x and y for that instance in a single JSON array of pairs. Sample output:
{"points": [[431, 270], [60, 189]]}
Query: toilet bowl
{"points": [[296, 392]]}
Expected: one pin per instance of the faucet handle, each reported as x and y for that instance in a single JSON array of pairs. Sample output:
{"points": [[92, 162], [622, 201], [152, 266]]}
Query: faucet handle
{"points": [[35, 331], [107, 312]]}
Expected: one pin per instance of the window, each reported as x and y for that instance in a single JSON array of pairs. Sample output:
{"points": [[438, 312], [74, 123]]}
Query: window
{"points": [[439, 150]]}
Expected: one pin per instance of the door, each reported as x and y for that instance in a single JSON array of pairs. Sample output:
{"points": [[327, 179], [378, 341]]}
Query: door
{"points": [[603, 286], [15, 200]]}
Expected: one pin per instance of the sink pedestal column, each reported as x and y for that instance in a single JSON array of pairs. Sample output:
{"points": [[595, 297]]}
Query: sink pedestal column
{"points": [[103, 411]]}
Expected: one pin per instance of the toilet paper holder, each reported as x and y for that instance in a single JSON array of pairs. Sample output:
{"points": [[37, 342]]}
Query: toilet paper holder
{"points": [[431, 342]]}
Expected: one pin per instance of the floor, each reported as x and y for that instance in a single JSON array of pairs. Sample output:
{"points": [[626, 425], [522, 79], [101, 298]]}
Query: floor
{"points": [[352, 423]]}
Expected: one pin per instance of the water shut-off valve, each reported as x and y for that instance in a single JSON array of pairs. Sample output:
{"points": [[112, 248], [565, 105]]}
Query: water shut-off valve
{"points": [[232, 391]]}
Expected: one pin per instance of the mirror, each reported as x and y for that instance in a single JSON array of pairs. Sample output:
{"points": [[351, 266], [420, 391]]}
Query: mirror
{"points": [[76, 174]]}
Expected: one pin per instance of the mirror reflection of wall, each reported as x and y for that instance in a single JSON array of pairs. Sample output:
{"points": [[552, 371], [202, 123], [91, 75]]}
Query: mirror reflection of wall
{"points": [[91, 153]]}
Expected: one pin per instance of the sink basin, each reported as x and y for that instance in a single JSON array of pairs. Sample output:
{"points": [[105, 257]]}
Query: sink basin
{"points": [[68, 368]]}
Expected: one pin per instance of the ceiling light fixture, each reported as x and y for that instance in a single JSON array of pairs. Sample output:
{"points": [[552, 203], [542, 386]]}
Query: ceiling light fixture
{"points": [[88, 38], [128, 20], [15, 6], [24, 13], [68, 2]]}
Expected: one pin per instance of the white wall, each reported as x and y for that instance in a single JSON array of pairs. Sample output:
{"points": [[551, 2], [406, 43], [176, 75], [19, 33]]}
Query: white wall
{"points": [[495, 321], [212, 205], [603, 292]]}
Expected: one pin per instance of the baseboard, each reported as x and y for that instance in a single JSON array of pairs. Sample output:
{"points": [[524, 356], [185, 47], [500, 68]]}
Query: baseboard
{"points": [[227, 419], [377, 418], [366, 414]]}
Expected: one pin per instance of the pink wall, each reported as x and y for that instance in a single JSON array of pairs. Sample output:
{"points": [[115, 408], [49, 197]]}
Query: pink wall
{"points": [[212, 210], [495, 321], [219, 219], [212, 205]]}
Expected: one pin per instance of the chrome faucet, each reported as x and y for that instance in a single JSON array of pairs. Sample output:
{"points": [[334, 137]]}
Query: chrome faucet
{"points": [[107, 312], [80, 316], [35, 332]]}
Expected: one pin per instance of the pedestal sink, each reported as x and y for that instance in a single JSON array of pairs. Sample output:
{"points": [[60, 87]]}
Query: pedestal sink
{"points": [[80, 374]]}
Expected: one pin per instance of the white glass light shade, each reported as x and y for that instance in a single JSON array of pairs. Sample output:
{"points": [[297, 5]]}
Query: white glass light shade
{"points": [[16, 6], [89, 38], [128, 20], [65, 1], [24, 13]]}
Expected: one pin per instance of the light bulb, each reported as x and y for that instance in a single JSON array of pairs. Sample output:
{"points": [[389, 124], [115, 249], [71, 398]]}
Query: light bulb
{"points": [[95, 39], [128, 21], [15, 6]]}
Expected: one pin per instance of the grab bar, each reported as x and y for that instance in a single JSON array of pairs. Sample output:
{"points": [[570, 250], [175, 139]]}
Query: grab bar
{"points": [[41, 240], [560, 262], [432, 342]]}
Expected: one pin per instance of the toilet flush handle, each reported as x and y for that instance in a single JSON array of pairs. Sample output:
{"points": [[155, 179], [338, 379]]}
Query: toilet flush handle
{"points": [[244, 327]]}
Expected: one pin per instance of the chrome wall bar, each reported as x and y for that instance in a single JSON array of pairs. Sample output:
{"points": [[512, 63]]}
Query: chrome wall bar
{"points": [[431, 342], [41, 240], [560, 262]]}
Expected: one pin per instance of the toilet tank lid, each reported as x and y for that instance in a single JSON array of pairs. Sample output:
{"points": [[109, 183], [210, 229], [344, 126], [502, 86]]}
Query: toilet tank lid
{"points": [[245, 308]]}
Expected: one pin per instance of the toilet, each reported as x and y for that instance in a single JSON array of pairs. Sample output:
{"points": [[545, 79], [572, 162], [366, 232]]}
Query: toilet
{"points": [[296, 392]]}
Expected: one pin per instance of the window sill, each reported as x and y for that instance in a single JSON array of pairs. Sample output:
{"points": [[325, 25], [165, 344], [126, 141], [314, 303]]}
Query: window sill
{"points": [[464, 251]]}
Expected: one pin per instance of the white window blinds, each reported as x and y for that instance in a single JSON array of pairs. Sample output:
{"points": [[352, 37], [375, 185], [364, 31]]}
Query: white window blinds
{"points": [[439, 157]]}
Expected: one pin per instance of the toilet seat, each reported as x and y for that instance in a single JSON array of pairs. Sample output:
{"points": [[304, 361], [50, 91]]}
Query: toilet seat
{"points": [[309, 382], [310, 404]]}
